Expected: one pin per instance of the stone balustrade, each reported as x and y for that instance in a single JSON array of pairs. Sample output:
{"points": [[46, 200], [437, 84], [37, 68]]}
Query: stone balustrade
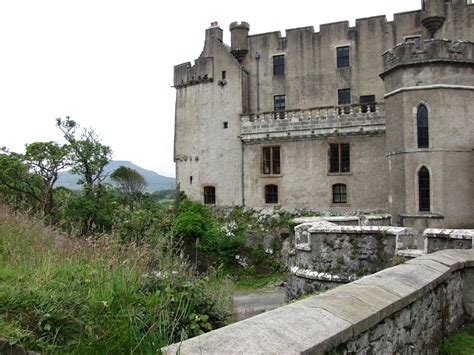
{"points": [[314, 122]]}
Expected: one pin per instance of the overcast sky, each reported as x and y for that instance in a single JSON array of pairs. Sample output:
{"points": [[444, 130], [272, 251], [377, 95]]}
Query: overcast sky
{"points": [[108, 64]]}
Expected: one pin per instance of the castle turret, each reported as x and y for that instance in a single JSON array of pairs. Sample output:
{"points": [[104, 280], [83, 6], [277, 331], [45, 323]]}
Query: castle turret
{"points": [[433, 15], [239, 39]]}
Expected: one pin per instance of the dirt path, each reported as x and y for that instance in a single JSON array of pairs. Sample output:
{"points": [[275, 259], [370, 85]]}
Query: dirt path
{"points": [[250, 303]]}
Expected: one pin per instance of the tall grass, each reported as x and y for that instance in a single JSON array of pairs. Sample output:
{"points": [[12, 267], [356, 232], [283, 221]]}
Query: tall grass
{"points": [[62, 295]]}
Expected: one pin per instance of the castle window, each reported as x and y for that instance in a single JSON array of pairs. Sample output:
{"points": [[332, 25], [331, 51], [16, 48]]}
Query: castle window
{"points": [[422, 126], [339, 193], [279, 104], [367, 103], [424, 189], [416, 40], [226, 125], [278, 65], [209, 195], [271, 194], [224, 74], [339, 158], [344, 99], [343, 57], [271, 160]]}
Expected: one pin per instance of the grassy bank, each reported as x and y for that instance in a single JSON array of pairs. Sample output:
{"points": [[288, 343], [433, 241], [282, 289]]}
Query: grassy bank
{"points": [[460, 343], [60, 295]]}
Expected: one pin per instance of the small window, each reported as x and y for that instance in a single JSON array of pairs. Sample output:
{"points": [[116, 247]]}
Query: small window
{"points": [[190, 180], [339, 193], [209, 195], [422, 127], [424, 189], [271, 160], [339, 158], [271, 194], [344, 99], [279, 65], [224, 74], [416, 40], [226, 125], [279, 104], [367, 103], [343, 57]]}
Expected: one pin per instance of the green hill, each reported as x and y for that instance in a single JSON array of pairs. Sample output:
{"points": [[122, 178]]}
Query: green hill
{"points": [[155, 181]]}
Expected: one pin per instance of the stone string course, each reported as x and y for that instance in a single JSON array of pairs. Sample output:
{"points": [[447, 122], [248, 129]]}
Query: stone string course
{"points": [[405, 309]]}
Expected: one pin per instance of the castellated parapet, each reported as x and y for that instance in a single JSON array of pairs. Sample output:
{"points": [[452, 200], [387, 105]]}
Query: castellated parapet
{"points": [[201, 72]]}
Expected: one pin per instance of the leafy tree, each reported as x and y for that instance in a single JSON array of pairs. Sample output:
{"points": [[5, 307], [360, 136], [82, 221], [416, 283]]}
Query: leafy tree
{"points": [[131, 183], [34, 173], [89, 158]]}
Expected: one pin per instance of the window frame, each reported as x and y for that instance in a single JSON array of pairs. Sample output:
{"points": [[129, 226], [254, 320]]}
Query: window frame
{"points": [[340, 158], [274, 194], [424, 189], [343, 60], [416, 39], [279, 112], [422, 131], [278, 67], [344, 107], [209, 191], [367, 105], [339, 195], [271, 159]]}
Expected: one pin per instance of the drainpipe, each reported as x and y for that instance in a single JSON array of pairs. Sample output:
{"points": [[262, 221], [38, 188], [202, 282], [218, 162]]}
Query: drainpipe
{"points": [[242, 173], [257, 57]]}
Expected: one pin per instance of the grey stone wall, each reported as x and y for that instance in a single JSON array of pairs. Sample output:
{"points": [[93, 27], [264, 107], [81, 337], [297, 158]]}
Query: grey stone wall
{"points": [[327, 255], [405, 309], [440, 239]]}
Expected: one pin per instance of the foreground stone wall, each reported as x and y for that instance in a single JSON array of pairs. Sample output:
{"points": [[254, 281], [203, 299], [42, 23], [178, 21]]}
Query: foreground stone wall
{"points": [[326, 255], [408, 309]]}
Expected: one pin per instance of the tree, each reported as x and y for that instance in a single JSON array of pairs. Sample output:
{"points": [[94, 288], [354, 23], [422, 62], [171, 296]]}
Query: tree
{"points": [[130, 182], [89, 158], [34, 173]]}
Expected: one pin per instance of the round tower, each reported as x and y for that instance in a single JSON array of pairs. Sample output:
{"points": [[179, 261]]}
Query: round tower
{"points": [[430, 134], [239, 39]]}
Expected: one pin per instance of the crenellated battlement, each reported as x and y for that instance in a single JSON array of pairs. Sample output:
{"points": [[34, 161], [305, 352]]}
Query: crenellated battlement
{"points": [[433, 50], [201, 72]]}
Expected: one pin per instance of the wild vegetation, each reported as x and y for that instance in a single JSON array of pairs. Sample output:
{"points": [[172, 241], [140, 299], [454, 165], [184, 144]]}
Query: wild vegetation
{"points": [[111, 268]]}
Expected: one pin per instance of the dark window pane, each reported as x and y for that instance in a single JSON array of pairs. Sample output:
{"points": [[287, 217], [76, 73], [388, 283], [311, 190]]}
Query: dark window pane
{"points": [[276, 160], [279, 104], [424, 189], [334, 158], [279, 65], [367, 103], [344, 98], [422, 127], [339, 193], [342, 57], [266, 160], [271, 194], [416, 40], [209, 195], [345, 158]]}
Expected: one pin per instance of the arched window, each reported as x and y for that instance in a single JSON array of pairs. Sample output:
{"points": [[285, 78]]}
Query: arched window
{"points": [[271, 194], [339, 193], [209, 195], [422, 126], [424, 189]]}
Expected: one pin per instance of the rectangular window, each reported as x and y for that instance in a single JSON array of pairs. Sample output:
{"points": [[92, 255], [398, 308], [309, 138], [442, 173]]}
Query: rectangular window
{"points": [[367, 103], [279, 65], [415, 40], [339, 158], [271, 194], [224, 75], [209, 195], [343, 57], [344, 99], [339, 193], [271, 160], [279, 104]]}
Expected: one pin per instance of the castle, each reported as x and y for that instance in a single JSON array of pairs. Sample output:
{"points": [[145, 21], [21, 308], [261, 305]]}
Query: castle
{"points": [[375, 117]]}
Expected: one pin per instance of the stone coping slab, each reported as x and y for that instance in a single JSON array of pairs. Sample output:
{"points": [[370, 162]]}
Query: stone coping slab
{"points": [[363, 230], [322, 322], [449, 233]]}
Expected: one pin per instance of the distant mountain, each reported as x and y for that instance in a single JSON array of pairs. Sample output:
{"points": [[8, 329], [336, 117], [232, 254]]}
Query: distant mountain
{"points": [[155, 181]]}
